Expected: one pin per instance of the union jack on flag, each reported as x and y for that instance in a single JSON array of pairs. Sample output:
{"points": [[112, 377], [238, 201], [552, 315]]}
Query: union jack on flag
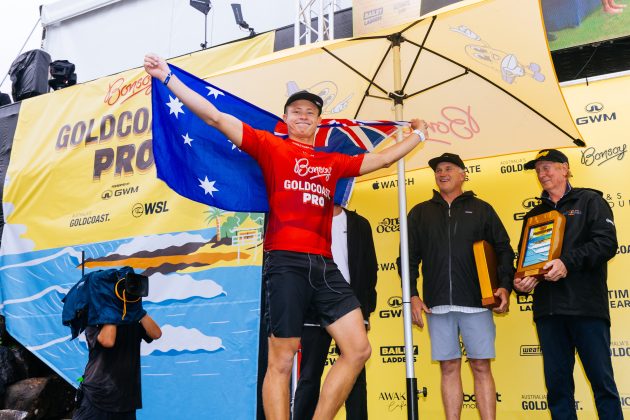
{"points": [[200, 163]]}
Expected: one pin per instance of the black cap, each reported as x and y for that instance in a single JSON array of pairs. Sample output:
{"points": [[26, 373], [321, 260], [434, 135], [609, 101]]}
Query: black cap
{"points": [[549, 155], [303, 94], [447, 157]]}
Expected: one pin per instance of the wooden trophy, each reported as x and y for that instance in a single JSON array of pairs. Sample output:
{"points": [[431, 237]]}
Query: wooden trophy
{"points": [[486, 262], [541, 243]]}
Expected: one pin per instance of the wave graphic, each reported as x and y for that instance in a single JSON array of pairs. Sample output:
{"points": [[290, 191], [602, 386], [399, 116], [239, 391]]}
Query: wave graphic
{"points": [[73, 253], [180, 287], [50, 343], [181, 339], [36, 295]]}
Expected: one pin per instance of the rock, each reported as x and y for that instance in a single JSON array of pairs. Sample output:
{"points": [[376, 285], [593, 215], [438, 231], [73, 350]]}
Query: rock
{"points": [[27, 364], [8, 369], [3, 331], [13, 415], [43, 398]]}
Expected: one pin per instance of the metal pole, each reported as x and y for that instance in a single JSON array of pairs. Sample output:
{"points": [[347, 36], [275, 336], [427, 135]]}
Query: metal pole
{"points": [[320, 22], [412, 384]]}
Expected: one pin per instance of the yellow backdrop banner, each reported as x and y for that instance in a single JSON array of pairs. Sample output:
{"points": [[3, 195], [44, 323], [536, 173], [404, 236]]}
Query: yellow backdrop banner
{"points": [[600, 111], [82, 161]]}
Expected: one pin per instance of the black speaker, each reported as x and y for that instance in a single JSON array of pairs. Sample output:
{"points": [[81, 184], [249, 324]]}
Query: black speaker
{"points": [[4, 99], [29, 74]]}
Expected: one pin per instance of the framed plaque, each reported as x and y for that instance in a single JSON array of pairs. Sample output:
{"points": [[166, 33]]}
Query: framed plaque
{"points": [[486, 262], [541, 243]]}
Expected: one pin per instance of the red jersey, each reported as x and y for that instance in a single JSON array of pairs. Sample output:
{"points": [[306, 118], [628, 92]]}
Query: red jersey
{"points": [[300, 187]]}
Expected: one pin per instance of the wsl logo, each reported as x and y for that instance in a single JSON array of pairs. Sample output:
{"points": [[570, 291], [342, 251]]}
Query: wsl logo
{"points": [[395, 308], [146, 209], [596, 114]]}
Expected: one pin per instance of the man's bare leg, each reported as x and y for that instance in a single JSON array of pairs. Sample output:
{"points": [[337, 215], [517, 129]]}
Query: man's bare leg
{"points": [[350, 335], [485, 391], [452, 391], [276, 384]]}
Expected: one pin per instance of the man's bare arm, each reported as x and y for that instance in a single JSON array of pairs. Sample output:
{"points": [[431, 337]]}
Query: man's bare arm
{"points": [[384, 158], [229, 125], [151, 327], [107, 336]]}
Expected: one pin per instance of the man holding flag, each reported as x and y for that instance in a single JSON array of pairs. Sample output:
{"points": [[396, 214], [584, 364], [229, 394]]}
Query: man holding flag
{"points": [[299, 269]]}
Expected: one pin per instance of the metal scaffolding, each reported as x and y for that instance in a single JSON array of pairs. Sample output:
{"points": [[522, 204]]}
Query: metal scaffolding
{"points": [[314, 21]]}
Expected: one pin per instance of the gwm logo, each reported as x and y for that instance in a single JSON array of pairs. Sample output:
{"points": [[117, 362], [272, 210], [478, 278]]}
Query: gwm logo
{"points": [[594, 107]]}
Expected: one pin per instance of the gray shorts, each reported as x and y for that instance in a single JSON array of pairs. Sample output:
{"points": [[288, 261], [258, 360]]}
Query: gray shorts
{"points": [[477, 331]]}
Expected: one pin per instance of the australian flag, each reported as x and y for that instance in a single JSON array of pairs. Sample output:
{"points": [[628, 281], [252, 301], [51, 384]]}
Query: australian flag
{"points": [[200, 163]]}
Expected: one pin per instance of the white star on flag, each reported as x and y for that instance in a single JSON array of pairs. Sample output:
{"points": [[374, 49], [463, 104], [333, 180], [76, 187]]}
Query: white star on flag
{"points": [[234, 146], [214, 92], [187, 140], [175, 106], [208, 186]]}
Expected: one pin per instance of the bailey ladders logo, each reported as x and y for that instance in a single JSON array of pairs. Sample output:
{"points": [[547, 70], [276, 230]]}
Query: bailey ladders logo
{"points": [[395, 354], [524, 302]]}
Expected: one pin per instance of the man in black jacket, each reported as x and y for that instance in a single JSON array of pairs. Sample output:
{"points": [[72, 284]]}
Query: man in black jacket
{"points": [[442, 232], [570, 302], [354, 254]]}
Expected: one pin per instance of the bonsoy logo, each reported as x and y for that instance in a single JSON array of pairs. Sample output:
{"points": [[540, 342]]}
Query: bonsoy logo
{"points": [[395, 308], [146, 209]]}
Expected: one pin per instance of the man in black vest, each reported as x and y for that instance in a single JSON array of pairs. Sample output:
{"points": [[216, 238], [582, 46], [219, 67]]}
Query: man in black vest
{"points": [[354, 254]]}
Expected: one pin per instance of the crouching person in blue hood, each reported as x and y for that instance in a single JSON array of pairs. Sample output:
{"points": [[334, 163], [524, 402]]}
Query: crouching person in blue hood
{"points": [[111, 387]]}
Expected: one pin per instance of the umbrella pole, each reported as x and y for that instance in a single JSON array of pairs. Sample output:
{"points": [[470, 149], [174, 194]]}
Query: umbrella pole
{"points": [[412, 384]]}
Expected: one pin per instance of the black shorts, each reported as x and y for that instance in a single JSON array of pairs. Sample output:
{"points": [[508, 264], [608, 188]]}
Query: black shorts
{"points": [[294, 282]]}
